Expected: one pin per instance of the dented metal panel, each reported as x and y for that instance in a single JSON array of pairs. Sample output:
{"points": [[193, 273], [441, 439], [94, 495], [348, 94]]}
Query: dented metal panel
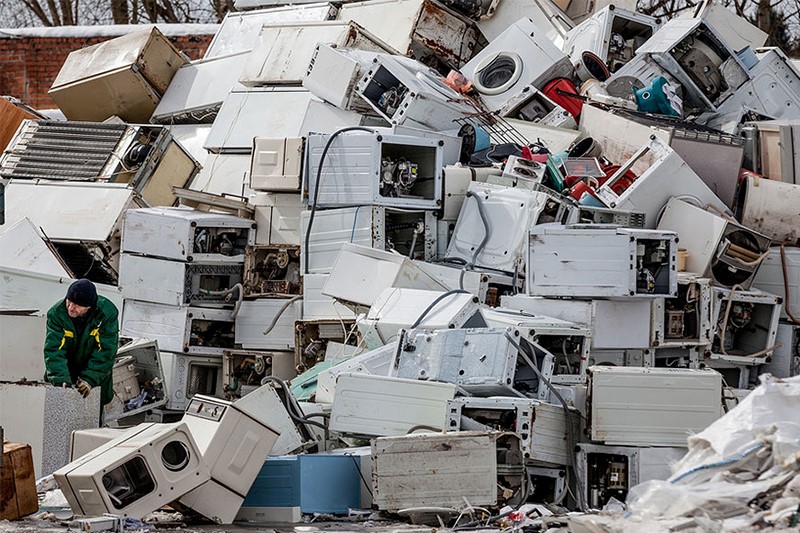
{"points": [[239, 30], [283, 51]]}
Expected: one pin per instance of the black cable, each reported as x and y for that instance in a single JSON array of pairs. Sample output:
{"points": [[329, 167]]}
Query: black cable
{"points": [[433, 304], [358, 469], [483, 242], [289, 405], [571, 442], [317, 181]]}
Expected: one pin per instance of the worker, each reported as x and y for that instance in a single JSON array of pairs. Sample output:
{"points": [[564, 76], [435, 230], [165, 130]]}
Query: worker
{"points": [[81, 342]]}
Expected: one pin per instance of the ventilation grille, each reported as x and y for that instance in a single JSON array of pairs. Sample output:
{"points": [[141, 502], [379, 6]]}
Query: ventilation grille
{"points": [[76, 151]]}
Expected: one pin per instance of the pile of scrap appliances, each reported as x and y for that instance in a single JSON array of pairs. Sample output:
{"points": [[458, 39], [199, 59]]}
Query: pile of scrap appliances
{"points": [[484, 262]]}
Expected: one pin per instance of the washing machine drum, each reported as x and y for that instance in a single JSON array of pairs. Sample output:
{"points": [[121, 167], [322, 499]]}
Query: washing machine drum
{"points": [[497, 73]]}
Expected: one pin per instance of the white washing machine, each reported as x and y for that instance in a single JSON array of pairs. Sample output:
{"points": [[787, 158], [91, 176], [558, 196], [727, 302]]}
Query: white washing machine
{"points": [[136, 473], [520, 56]]}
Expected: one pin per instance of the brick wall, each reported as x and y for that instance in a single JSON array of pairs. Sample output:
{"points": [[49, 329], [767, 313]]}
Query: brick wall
{"points": [[28, 65]]}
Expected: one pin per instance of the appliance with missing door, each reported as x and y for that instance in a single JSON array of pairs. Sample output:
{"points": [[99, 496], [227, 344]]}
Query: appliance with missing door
{"points": [[519, 57], [187, 375], [272, 271], [411, 233], [694, 55], [746, 324], [362, 168], [724, 250], [510, 213], [615, 324], [134, 474], [181, 329], [139, 382], [770, 92], [177, 283], [184, 234], [590, 261], [532, 105], [541, 427], [611, 471], [686, 320], [424, 29], [612, 34], [406, 92]]}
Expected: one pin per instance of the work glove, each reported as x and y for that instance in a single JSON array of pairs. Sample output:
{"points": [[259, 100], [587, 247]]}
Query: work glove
{"points": [[83, 387]]}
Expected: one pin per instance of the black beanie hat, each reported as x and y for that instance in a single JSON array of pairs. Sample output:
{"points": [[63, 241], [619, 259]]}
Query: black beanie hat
{"points": [[83, 293]]}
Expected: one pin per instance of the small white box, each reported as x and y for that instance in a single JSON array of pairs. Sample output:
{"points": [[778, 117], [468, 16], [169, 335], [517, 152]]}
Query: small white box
{"points": [[276, 164]]}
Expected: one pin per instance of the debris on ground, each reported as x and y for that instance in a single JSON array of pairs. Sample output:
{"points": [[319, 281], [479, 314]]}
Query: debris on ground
{"points": [[521, 265]]}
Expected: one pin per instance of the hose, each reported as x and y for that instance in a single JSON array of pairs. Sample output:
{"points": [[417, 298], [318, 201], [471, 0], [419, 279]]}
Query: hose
{"points": [[290, 406], [237, 287], [481, 245], [317, 182], [571, 441], [280, 312]]}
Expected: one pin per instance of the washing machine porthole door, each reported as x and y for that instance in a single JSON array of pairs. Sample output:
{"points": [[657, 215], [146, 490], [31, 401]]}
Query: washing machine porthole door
{"points": [[497, 73]]}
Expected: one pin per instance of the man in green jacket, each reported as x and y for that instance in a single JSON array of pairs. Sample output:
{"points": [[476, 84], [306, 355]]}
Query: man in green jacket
{"points": [[82, 339]]}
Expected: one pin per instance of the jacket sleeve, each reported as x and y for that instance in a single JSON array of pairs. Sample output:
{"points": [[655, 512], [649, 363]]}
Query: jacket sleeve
{"points": [[104, 339], [55, 353]]}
